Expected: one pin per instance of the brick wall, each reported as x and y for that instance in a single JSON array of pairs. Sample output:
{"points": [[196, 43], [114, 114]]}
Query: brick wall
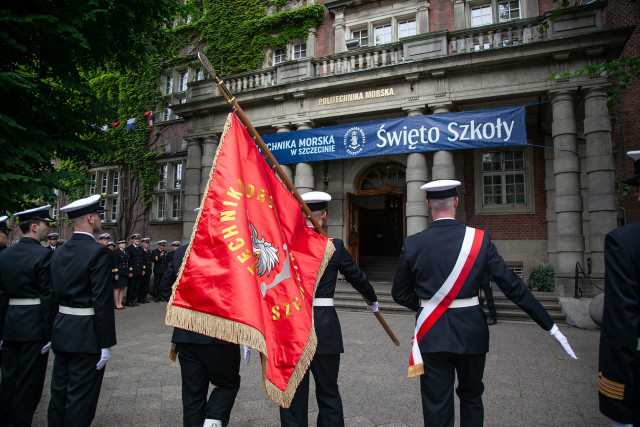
{"points": [[511, 227], [325, 38], [441, 16]]}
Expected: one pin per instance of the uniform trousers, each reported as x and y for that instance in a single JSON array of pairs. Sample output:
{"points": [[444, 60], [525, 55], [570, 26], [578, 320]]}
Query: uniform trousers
{"points": [[157, 291], [491, 305], [143, 291], [201, 364], [23, 373], [75, 388], [134, 288], [325, 369], [436, 386]]}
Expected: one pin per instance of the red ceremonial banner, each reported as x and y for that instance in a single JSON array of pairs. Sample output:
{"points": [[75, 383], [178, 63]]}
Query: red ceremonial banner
{"points": [[250, 272]]}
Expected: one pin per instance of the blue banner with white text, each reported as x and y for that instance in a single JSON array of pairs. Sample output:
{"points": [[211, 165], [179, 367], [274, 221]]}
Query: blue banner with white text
{"points": [[499, 127]]}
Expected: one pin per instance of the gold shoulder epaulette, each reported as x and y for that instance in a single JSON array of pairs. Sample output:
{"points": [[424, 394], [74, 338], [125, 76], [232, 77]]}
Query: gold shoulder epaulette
{"points": [[610, 388]]}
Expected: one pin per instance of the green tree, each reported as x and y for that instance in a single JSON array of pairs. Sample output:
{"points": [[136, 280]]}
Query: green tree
{"points": [[48, 109]]}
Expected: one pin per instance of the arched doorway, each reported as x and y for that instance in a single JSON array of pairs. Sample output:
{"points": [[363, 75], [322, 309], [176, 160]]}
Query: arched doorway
{"points": [[376, 219]]}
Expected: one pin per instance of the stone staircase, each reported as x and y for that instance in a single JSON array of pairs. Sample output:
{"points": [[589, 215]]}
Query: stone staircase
{"points": [[348, 299]]}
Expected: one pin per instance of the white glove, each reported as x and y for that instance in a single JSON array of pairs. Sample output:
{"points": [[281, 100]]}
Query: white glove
{"points": [[373, 307], [247, 353], [617, 424], [105, 355], [46, 348], [555, 333]]}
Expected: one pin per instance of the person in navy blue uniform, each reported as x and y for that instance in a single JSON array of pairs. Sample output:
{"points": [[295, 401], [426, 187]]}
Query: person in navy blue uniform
{"points": [[203, 360], [137, 267], [325, 365], [84, 329], [26, 316], [52, 240], [165, 291], [458, 341], [146, 271], [160, 259], [103, 239], [491, 305], [619, 356], [122, 272]]}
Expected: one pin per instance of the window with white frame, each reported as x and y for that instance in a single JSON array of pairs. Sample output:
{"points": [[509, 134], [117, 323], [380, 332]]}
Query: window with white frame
{"points": [[362, 35], [184, 79], [504, 182], [55, 205], [508, 10], [407, 28], [199, 74], [279, 55], [168, 85], [106, 182], [168, 194], [166, 114], [382, 34], [299, 51], [481, 15]]}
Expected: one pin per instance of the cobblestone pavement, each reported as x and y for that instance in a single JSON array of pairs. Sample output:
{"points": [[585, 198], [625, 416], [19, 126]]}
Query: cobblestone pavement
{"points": [[529, 380]]}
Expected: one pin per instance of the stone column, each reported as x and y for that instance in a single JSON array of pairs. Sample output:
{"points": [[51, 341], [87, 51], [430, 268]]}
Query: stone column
{"points": [[550, 187], [209, 147], [416, 175], [286, 168], [460, 19], [566, 166], [191, 188], [422, 17], [443, 166], [339, 27], [304, 181], [311, 43], [600, 175]]}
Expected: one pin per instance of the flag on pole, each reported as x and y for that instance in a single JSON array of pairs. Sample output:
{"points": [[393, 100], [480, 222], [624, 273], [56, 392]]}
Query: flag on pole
{"points": [[149, 115], [252, 266]]}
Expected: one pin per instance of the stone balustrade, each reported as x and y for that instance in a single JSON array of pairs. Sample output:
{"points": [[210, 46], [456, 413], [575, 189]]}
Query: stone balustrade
{"points": [[496, 36]]}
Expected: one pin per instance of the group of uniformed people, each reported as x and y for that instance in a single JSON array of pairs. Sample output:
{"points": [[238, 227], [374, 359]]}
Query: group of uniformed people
{"points": [[62, 300]]}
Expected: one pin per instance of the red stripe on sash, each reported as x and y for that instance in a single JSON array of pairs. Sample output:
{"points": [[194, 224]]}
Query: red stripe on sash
{"points": [[462, 277]]}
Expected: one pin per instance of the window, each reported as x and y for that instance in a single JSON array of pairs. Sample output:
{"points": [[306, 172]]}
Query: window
{"points": [[406, 28], [168, 195], [504, 182], [175, 206], [166, 115], [299, 51], [481, 15], [279, 56], [168, 85], [508, 10], [183, 100], [199, 74], [383, 34], [55, 205], [362, 35], [184, 78], [106, 182]]}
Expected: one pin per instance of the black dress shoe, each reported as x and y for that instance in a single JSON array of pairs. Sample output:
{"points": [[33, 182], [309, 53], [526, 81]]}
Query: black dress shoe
{"points": [[131, 304], [156, 300], [492, 321]]}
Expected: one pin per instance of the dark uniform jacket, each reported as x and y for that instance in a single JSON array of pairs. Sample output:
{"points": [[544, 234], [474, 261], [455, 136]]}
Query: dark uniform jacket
{"points": [[121, 263], [425, 263], [325, 319], [182, 335], [146, 261], [24, 273], [619, 361], [136, 260], [160, 260], [81, 277]]}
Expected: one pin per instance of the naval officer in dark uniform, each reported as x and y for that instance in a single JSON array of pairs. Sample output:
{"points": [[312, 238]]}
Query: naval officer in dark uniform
{"points": [[84, 329], [122, 272], [26, 315], [136, 263], [4, 232], [325, 365], [147, 268], [458, 341], [203, 360], [160, 259], [52, 240], [619, 358]]}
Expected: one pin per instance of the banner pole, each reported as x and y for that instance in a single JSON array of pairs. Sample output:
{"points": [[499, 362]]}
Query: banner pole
{"points": [[278, 169]]}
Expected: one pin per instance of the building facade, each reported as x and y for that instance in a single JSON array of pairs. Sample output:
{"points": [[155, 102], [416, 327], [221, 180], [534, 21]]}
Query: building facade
{"points": [[551, 201]]}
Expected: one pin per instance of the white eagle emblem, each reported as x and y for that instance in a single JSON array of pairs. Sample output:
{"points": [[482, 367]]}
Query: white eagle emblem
{"points": [[266, 258]]}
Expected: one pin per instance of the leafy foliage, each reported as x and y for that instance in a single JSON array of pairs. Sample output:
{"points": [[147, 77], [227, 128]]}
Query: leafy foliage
{"points": [[542, 278], [49, 51]]}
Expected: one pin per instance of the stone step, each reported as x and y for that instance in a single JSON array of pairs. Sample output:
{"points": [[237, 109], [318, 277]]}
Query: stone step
{"points": [[348, 299]]}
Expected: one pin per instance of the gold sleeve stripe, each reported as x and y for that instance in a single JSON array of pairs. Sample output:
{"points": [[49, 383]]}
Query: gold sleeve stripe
{"points": [[610, 388]]}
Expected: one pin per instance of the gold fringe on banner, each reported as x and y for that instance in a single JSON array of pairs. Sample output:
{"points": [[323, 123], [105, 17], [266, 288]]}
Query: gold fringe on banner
{"points": [[240, 333], [416, 370]]}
